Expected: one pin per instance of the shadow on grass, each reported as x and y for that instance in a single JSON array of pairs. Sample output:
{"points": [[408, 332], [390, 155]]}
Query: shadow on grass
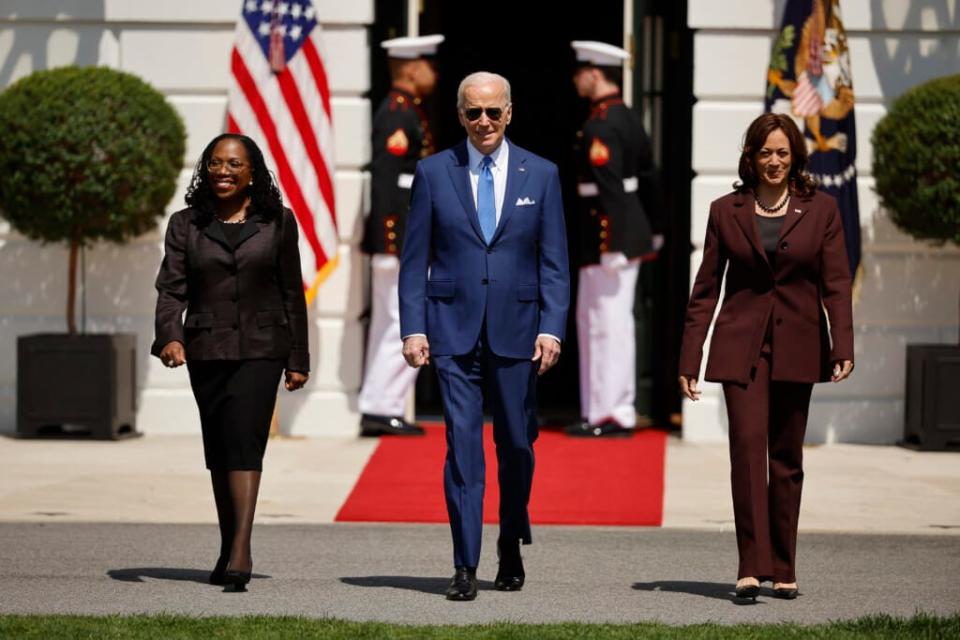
{"points": [[715, 590], [436, 586], [165, 573]]}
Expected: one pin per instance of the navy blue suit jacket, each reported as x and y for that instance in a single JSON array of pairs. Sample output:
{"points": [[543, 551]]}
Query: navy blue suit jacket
{"points": [[451, 280]]}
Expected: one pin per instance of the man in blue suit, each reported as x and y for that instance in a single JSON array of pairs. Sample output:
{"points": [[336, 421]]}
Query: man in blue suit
{"points": [[484, 291]]}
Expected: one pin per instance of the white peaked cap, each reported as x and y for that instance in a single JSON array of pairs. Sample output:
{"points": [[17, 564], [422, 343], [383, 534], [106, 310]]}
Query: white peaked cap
{"points": [[412, 47], [599, 54]]}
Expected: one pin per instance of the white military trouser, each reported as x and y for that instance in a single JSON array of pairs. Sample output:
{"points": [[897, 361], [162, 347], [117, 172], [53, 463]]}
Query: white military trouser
{"points": [[607, 343], [387, 378]]}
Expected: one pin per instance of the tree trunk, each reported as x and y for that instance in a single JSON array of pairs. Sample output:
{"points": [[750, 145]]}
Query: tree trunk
{"points": [[72, 287]]}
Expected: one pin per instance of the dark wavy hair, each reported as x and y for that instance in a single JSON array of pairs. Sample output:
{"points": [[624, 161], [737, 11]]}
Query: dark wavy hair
{"points": [[265, 199], [799, 181]]}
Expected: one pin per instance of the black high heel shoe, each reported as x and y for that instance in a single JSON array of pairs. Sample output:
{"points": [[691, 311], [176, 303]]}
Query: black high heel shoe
{"points": [[786, 593], [748, 592], [239, 579], [216, 576]]}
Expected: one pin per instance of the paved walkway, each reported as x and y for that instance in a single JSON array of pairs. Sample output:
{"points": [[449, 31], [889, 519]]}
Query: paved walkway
{"points": [[124, 527], [397, 573]]}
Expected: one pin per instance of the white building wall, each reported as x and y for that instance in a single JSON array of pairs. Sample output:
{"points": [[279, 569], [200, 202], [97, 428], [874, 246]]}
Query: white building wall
{"points": [[910, 291], [182, 48]]}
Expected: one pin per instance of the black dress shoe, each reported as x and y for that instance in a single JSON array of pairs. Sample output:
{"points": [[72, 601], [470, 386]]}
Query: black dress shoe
{"points": [[372, 426], [216, 576], [607, 429], [510, 575], [463, 586]]}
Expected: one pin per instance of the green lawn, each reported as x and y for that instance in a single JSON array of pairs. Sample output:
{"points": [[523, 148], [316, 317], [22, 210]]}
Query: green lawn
{"points": [[256, 627]]}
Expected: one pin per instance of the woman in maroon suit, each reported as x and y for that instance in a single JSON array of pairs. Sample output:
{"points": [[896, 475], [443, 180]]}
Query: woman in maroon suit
{"points": [[781, 244], [231, 261]]}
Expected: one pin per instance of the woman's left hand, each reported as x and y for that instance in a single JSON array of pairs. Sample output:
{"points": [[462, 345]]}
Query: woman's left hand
{"points": [[841, 370], [295, 380]]}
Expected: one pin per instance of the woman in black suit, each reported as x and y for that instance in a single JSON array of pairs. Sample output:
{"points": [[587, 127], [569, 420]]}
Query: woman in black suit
{"points": [[232, 261]]}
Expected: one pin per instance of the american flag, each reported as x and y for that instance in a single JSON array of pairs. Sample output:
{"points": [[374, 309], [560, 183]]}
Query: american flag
{"points": [[279, 96], [809, 76]]}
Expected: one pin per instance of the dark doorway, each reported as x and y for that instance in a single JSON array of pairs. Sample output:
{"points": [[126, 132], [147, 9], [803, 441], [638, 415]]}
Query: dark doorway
{"points": [[530, 45]]}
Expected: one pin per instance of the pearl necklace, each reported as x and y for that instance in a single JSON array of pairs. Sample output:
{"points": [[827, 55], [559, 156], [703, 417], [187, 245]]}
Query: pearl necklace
{"points": [[777, 206], [240, 221]]}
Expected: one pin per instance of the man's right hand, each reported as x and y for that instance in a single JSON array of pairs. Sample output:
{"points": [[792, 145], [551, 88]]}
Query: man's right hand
{"points": [[173, 354], [416, 351]]}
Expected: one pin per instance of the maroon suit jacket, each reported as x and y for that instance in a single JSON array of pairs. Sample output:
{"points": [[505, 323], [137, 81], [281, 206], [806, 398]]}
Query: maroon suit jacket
{"points": [[241, 303], [810, 268]]}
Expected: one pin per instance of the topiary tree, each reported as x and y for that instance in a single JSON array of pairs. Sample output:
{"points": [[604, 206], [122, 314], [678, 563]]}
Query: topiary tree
{"points": [[916, 160], [86, 154]]}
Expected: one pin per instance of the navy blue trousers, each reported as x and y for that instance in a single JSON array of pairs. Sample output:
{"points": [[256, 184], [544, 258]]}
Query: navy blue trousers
{"points": [[510, 385]]}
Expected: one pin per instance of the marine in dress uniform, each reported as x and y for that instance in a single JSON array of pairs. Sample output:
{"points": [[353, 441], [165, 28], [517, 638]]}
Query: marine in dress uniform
{"points": [[620, 225], [401, 137]]}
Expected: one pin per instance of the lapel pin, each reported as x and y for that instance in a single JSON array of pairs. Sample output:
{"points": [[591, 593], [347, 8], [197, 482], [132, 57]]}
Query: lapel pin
{"points": [[521, 169], [796, 210]]}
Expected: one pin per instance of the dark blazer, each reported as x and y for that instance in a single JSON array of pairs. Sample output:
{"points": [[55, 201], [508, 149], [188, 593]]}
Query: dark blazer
{"points": [[810, 267], [401, 137], [452, 282], [241, 303], [614, 152]]}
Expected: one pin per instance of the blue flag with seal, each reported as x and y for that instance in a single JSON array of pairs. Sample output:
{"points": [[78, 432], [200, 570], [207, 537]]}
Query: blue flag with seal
{"points": [[809, 78]]}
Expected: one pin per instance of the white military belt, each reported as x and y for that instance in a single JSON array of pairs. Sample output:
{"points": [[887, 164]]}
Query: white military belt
{"points": [[405, 180], [590, 189]]}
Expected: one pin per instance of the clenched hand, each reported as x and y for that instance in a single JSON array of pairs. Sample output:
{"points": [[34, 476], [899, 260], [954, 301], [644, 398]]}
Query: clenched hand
{"points": [[173, 354], [416, 351]]}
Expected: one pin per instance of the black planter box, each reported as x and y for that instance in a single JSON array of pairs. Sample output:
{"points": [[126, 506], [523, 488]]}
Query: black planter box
{"points": [[932, 414], [77, 386]]}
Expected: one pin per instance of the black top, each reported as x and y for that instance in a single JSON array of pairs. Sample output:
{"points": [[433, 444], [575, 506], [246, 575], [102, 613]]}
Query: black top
{"points": [[232, 231], [200, 273], [770, 233]]}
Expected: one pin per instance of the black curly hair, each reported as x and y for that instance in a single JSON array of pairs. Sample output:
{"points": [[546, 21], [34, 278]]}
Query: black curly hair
{"points": [[265, 199]]}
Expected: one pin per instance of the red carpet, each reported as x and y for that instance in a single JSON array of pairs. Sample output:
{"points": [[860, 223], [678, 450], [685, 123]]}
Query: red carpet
{"points": [[577, 481]]}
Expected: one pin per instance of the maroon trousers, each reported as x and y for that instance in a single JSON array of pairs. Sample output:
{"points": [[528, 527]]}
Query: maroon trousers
{"points": [[768, 420]]}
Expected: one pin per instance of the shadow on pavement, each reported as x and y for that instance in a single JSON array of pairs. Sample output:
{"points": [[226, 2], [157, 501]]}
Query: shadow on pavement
{"points": [[165, 573], [435, 586], [715, 590]]}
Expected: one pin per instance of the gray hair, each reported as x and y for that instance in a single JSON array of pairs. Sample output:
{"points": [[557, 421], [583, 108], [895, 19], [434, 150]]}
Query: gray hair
{"points": [[481, 77]]}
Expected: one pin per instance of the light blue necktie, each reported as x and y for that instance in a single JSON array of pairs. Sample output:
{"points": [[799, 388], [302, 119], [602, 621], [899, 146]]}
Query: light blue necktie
{"points": [[486, 200]]}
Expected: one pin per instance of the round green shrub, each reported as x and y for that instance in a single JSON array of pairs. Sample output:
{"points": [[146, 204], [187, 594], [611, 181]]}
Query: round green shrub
{"points": [[86, 154], [916, 160]]}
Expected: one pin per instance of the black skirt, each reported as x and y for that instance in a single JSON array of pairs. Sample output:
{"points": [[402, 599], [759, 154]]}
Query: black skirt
{"points": [[236, 400]]}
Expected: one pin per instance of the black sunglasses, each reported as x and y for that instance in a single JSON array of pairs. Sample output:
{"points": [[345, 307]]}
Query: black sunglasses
{"points": [[474, 113]]}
